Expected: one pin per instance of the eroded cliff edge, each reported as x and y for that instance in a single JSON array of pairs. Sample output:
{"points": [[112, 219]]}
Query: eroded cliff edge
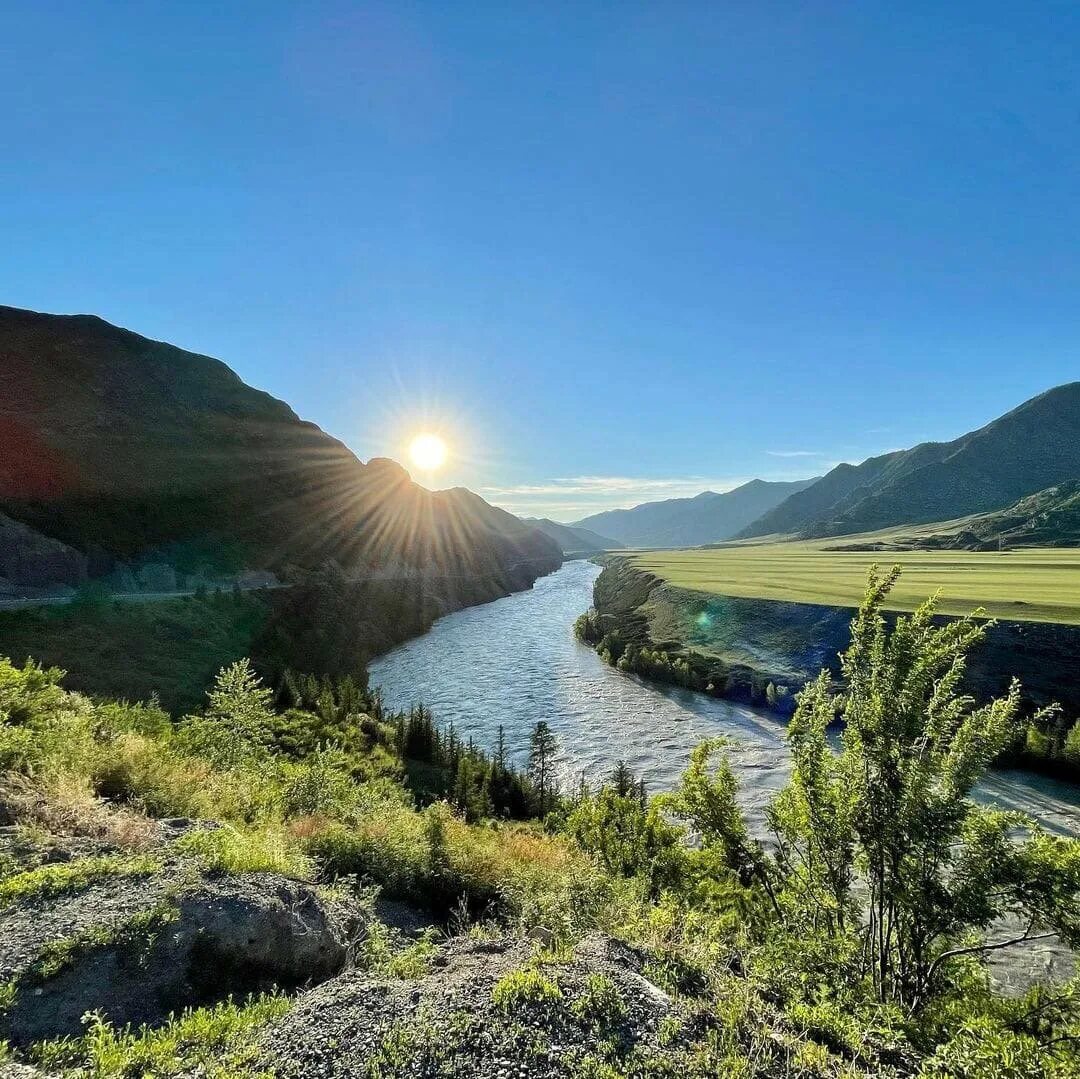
{"points": [[736, 648]]}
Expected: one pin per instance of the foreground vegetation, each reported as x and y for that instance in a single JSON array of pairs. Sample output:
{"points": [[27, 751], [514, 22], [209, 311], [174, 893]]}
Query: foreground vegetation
{"points": [[1031, 585], [855, 944]]}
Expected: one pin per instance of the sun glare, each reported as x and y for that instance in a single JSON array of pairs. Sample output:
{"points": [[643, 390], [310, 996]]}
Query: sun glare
{"points": [[428, 452]]}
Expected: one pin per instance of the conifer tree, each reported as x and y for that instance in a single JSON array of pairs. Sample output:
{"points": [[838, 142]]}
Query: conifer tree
{"points": [[543, 747]]}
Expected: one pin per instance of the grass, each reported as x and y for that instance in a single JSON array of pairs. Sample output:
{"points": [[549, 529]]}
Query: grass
{"points": [[218, 1041], [521, 988], [48, 881], [248, 850], [1031, 585]]}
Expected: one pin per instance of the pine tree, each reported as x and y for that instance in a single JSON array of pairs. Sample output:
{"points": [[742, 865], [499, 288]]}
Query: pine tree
{"points": [[542, 751], [623, 780]]}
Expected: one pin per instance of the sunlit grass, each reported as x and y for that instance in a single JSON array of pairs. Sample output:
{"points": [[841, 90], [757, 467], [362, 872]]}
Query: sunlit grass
{"points": [[1034, 585]]}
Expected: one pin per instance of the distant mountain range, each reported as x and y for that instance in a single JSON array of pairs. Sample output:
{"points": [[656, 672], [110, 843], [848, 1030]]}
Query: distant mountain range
{"points": [[688, 522], [123, 448], [1031, 448], [573, 540]]}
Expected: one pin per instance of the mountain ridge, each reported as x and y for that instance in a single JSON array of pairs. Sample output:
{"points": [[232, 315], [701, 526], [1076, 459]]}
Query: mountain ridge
{"points": [[1027, 449], [571, 539], [684, 522], [118, 445]]}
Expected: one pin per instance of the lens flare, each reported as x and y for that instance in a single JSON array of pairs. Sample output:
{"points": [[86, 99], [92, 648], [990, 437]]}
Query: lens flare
{"points": [[428, 452]]}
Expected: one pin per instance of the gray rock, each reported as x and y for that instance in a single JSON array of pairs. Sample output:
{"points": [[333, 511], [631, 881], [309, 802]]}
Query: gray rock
{"points": [[230, 936], [446, 1023], [10, 1069]]}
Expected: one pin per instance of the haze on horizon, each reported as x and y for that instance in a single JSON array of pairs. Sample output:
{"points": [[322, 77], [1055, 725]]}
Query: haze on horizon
{"points": [[609, 253]]}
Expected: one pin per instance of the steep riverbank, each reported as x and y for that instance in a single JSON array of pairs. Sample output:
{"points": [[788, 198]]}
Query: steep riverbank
{"points": [[172, 648], [736, 648]]}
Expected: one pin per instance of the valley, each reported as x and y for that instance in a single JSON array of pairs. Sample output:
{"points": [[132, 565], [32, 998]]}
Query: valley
{"points": [[540, 541]]}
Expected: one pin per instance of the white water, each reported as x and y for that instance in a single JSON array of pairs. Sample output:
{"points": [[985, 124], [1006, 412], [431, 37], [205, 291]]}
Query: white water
{"points": [[515, 661]]}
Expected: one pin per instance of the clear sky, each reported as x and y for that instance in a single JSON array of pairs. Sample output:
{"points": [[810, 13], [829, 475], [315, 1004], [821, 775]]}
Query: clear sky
{"points": [[613, 251]]}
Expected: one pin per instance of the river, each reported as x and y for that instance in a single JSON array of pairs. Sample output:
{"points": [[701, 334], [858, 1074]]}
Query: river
{"points": [[515, 661]]}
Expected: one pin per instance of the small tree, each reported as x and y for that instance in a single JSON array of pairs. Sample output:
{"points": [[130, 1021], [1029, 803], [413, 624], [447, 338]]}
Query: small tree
{"points": [[627, 838], [237, 720], [542, 749], [1072, 744], [623, 779], [705, 800], [891, 810]]}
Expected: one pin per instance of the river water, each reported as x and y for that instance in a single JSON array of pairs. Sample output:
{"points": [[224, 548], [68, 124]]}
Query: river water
{"points": [[515, 661]]}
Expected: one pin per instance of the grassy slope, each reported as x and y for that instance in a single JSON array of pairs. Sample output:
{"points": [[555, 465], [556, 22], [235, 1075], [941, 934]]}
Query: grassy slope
{"points": [[172, 648], [1036, 585]]}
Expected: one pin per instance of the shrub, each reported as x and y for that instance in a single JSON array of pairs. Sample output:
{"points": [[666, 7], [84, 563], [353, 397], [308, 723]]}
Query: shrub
{"points": [[321, 786], [524, 988], [253, 850], [599, 1002]]}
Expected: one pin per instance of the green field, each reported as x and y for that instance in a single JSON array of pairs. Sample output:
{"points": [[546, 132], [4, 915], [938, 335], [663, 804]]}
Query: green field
{"points": [[1038, 584]]}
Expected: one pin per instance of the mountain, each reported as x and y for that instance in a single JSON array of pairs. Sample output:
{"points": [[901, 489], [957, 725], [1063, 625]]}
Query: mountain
{"points": [[125, 449], [573, 540], [1033, 447], [790, 515], [1049, 518], [30, 560], [687, 522]]}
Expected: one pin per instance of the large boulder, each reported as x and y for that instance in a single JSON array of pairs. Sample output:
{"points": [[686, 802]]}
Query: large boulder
{"points": [[229, 936]]}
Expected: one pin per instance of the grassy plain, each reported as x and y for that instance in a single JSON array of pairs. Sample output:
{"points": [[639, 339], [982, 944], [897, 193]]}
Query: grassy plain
{"points": [[1032, 585]]}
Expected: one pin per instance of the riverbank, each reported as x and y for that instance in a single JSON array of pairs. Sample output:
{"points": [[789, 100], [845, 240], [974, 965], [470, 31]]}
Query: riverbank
{"points": [[761, 651], [171, 648], [509, 663]]}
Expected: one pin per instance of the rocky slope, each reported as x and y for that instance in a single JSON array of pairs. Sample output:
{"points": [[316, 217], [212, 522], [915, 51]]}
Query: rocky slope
{"points": [[454, 1020], [117, 445], [1049, 518], [1035, 446], [133, 938], [688, 522]]}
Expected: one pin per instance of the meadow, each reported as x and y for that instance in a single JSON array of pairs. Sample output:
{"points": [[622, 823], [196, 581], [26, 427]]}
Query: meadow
{"points": [[1032, 585]]}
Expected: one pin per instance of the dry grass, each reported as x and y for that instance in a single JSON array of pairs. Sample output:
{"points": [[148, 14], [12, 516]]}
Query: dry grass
{"points": [[65, 805]]}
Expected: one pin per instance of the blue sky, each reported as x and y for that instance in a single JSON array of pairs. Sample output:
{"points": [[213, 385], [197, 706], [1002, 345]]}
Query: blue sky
{"points": [[614, 251]]}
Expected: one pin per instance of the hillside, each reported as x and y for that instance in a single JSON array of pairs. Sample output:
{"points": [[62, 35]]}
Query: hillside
{"points": [[1029, 449], [1049, 518], [225, 895], [571, 539], [778, 612], [126, 449], [686, 522]]}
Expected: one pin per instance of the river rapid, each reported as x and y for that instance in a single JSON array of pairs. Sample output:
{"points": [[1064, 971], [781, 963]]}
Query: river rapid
{"points": [[515, 661]]}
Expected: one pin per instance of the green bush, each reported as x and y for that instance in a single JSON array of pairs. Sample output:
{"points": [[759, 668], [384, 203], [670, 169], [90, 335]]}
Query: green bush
{"points": [[252, 850], [525, 988]]}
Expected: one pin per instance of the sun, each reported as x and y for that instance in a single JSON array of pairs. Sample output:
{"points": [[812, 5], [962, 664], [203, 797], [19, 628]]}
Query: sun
{"points": [[428, 452]]}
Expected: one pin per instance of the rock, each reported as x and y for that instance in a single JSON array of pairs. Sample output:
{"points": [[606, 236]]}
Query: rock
{"points": [[446, 1022], [231, 936], [10, 1069]]}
